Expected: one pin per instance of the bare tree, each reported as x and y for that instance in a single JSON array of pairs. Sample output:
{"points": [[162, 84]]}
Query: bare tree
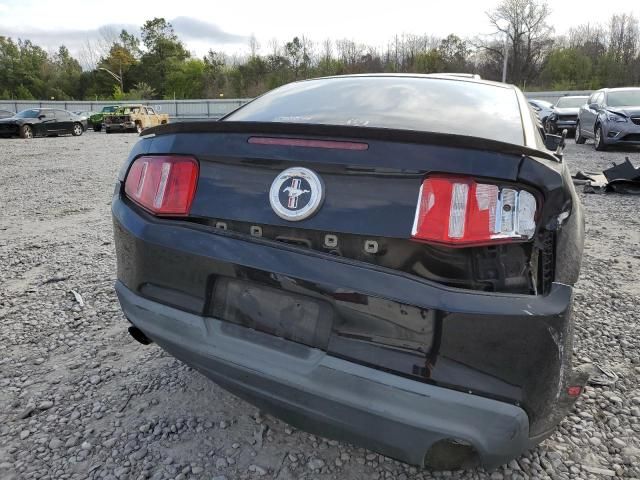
{"points": [[524, 24], [623, 38], [254, 46]]}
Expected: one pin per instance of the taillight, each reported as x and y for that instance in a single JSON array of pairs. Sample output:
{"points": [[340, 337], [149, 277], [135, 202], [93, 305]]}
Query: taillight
{"points": [[163, 185], [460, 211]]}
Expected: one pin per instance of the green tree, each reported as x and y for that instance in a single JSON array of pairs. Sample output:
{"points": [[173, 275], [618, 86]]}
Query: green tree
{"points": [[186, 80], [164, 52], [568, 69]]}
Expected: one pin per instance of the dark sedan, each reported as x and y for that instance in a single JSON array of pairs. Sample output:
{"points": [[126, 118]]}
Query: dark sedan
{"points": [[6, 114], [41, 122], [382, 259]]}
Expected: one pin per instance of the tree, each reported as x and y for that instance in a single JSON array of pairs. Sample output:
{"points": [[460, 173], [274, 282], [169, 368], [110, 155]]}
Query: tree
{"points": [[163, 52], [568, 69], [187, 80], [454, 53], [524, 24]]}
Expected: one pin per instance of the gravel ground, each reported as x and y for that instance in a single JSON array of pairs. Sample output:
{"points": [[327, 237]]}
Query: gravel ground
{"points": [[80, 399]]}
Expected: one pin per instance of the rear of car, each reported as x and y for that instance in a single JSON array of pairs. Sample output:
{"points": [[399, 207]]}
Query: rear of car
{"points": [[385, 260]]}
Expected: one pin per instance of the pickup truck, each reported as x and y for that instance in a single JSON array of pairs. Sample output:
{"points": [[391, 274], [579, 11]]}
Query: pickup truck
{"points": [[97, 119], [133, 118]]}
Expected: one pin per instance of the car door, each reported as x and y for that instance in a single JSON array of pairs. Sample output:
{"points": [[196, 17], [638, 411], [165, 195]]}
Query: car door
{"points": [[64, 121], [588, 117], [45, 119], [152, 119]]}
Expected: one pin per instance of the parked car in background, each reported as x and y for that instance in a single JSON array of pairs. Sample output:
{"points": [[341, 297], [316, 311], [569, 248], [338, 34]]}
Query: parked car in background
{"points": [[564, 114], [542, 109], [97, 119], [85, 117], [41, 122], [6, 114], [133, 118], [383, 259], [610, 117]]}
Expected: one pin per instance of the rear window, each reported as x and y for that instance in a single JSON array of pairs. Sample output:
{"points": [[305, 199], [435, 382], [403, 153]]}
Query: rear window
{"points": [[408, 103]]}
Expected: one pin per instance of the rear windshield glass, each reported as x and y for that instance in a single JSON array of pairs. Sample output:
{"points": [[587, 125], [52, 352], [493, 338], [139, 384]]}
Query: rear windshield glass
{"points": [[571, 102], [410, 103], [624, 98]]}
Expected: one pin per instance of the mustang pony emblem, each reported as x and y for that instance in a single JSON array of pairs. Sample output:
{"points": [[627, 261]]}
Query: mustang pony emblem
{"points": [[294, 192]]}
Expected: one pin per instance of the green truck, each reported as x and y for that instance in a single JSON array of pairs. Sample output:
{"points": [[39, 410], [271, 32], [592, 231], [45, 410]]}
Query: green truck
{"points": [[97, 119]]}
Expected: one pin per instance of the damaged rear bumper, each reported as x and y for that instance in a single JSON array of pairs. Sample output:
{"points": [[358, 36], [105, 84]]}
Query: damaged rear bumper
{"points": [[441, 363], [330, 396]]}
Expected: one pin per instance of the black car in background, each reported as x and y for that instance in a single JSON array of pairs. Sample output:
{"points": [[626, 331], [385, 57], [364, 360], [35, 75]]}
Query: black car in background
{"points": [[6, 114], [382, 259], [41, 122]]}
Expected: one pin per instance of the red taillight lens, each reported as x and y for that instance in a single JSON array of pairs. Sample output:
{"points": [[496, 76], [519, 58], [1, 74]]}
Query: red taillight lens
{"points": [[163, 185], [459, 211], [574, 390]]}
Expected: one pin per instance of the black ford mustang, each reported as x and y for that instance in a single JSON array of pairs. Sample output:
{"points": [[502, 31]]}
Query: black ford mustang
{"points": [[383, 259], [42, 121]]}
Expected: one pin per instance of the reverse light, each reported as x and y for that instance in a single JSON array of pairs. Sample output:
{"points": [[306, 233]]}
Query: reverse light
{"points": [[459, 211], [163, 185]]}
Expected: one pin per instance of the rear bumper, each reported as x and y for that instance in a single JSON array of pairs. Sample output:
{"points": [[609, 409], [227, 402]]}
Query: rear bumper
{"points": [[332, 397], [498, 355]]}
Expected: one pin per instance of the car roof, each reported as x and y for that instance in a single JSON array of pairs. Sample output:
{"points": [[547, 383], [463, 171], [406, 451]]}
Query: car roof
{"points": [[455, 77], [618, 89]]}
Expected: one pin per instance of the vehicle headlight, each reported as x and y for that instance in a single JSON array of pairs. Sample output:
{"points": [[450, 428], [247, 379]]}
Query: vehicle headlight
{"points": [[616, 118]]}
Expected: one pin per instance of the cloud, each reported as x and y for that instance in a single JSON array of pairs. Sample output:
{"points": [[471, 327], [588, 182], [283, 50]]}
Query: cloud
{"points": [[188, 28]]}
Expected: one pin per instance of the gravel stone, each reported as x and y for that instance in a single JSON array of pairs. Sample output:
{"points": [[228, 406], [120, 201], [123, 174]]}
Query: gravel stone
{"points": [[72, 377]]}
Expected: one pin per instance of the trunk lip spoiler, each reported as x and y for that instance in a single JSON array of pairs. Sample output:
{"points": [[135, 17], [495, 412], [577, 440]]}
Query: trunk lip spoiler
{"points": [[351, 132]]}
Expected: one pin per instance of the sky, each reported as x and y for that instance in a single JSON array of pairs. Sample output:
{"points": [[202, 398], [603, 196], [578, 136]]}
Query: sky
{"points": [[227, 25]]}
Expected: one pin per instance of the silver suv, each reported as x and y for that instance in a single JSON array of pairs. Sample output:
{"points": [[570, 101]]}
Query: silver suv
{"points": [[611, 116]]}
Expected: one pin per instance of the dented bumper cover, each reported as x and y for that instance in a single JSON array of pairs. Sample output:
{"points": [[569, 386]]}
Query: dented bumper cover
{"points": [[490, 369]]}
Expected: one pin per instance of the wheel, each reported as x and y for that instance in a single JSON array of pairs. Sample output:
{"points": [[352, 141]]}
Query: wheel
{"points": [[578, 135], [97, 127], [26, 131], [77, 130], [139, 128], [107, 130], [598, 141]]}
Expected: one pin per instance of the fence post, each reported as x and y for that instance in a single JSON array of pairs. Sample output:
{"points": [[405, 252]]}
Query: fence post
{"points": [[208, 109], [15, 106]]}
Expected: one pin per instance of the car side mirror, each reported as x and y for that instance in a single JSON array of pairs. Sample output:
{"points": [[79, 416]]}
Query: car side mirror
{"points": [[594, 106], [41, 116]]}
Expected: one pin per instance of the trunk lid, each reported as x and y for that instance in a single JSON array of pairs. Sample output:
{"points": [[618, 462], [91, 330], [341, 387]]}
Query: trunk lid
{"points": [[372, 191]]}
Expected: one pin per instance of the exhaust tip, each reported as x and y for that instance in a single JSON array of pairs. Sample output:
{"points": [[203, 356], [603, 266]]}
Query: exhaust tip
{"points": [[139, 336]]}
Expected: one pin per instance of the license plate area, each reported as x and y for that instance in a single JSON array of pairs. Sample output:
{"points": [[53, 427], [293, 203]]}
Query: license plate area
{"points": [[288, 315]]}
